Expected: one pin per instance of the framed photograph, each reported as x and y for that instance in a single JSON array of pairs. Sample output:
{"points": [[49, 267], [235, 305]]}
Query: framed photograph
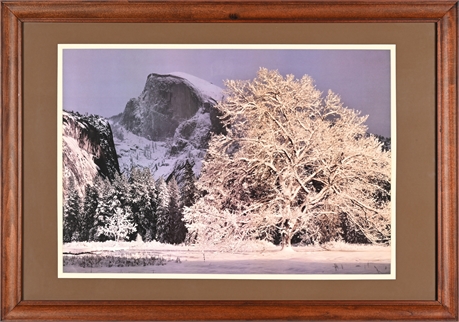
{"points": [[140, 190], [178, 161]]}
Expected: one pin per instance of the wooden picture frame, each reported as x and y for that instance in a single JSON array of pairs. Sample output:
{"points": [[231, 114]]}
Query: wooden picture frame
{"points": [[442, 13]]}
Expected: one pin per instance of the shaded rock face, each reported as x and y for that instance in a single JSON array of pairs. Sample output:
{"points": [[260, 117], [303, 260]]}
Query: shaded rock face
{"points": [[171, 122], [165, 102], [88, 149]]}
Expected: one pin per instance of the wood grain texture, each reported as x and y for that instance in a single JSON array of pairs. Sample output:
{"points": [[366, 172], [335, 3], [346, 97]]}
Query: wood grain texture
{"points": [[447, 166], [444, 13], [231, 310], [227, 11], [11, 157]]}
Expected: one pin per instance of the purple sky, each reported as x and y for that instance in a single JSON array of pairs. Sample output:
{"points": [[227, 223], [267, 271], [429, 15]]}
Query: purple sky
{"points": [[101, 81]]}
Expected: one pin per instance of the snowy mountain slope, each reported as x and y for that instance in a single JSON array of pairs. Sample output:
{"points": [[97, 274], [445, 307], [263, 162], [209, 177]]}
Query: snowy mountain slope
{"points": [[204, 87], [169, 123], [88, 149]]}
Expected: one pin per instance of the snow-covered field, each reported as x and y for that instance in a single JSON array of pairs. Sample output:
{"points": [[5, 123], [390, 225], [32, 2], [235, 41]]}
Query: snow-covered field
{"points": [[333, 258]]}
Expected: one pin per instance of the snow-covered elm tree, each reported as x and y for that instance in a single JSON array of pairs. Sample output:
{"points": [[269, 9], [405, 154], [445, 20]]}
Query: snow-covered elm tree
{"points": [[292, 161]]}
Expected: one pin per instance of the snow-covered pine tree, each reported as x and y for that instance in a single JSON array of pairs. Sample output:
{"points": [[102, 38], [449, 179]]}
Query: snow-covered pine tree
{"points": [[177, 229], [119, 225], [88, 213], [143, 202], [189, 191], [105, 208], [112, 195], [292, 161], [121, 190], [162, 211], [151, 233], [71, 213]]}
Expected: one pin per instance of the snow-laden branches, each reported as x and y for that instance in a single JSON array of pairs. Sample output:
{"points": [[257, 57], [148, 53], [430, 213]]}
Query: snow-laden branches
{"points": [[292, 162], [119, 225]]}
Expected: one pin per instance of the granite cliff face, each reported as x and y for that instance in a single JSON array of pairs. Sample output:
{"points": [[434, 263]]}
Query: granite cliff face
{"points": [[166, 102], [170, 122], [88, 149]]}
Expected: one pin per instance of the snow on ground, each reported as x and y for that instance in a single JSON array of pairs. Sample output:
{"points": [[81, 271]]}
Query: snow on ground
{"points": [[335, 258]]}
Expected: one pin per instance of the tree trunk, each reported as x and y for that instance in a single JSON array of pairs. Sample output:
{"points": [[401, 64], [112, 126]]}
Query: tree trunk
{"points": [[287, 232], [286, 240]]}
